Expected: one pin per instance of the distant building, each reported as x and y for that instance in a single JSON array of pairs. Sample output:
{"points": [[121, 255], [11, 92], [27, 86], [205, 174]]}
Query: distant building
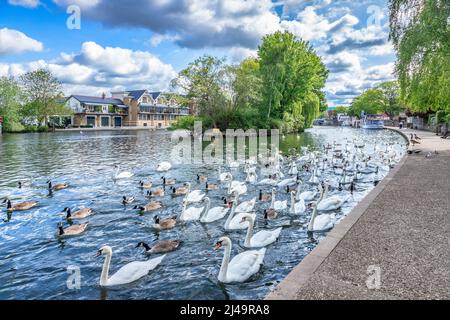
{"points": [[125, 108]]}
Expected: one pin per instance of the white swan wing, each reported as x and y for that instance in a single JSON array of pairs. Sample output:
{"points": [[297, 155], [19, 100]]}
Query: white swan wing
{"points": [[265, 237], [280, 205], [330, 203], [324, 222], [214, 214], [133, 271], [192, 213], [195, 196], [235, 223], [246, 206], [244, 265]]}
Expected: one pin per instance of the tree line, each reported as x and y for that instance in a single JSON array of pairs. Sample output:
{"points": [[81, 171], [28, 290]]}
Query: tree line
{"points": [[420, 33], [29, 100], [280, 88]]}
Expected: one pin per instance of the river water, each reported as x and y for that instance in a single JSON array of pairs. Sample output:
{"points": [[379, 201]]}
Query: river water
{"points": [[34, 262]]}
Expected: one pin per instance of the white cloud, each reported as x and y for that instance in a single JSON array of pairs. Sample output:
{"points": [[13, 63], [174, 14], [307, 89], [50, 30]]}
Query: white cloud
{"points": [[96, 68], [25, 3], [313, 27], [13, 42]]}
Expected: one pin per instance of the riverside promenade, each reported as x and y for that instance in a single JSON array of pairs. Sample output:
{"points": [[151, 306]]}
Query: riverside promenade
{"points": [[395, 244]]}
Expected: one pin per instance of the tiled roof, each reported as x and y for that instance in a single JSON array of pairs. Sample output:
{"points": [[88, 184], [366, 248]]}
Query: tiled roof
{"points": [[136, 94], [88, 99]]}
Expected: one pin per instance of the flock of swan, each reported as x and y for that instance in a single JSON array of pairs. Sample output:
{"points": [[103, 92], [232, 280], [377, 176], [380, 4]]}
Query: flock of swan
{"points": [[317, 182]]}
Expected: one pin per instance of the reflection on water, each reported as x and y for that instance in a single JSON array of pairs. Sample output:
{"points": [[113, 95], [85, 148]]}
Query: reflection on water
{"points": [[33, 262]]}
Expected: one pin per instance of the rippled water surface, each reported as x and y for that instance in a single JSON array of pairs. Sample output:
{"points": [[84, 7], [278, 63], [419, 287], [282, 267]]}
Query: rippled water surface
{"points": [[33, 262]]}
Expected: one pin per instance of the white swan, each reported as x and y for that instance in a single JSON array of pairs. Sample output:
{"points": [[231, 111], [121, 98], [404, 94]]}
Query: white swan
{"points": [[321, 222], [122, 175], [234, 221], [236, 186], [128, 273], [307, 195], [286, 182], [330, 203], [252, 177], [213, 214], [223, 176], [164, 166], [260, 239], [293, 169], [191, 213], [246, 206], [269, 181], [297, 207], [193, 196], [242, 266], [277, 205]]}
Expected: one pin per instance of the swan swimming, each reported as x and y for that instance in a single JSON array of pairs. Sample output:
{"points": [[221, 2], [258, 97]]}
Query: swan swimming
{"points": [[128, 273]]}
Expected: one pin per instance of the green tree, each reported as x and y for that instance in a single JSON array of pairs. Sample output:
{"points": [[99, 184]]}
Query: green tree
{"points": [[202, 82], [391, 98], [43, 95], [291, 73], [10, 104], [341, 109], [420, 32], [370, 101]]}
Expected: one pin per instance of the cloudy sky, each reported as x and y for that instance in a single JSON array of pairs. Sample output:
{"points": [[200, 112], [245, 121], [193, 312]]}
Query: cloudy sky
{"points": [[143, 43]]}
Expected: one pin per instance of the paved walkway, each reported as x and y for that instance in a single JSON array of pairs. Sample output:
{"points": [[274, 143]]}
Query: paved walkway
{"points": [[399, 234]]}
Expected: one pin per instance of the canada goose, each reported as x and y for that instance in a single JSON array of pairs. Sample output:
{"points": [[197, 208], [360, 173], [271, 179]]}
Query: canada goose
{"points": [[202, 178], [414, 142], [58, 186], [164, 224], [23, 206], [179, 191], [145, 185], [270, 214], [417, 137], [264, 197], [80, 214], [73, 230], [168, 182], [127, 200], [161, 246], [22, 184], [156, 193], [211, 187], [152, 206]]}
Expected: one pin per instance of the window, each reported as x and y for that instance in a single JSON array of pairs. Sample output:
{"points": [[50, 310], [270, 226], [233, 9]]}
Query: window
{"points": [[105, 121]]}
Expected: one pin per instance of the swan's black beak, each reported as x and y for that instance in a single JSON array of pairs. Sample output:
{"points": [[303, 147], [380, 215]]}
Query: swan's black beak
{"points": [[99, 253]]}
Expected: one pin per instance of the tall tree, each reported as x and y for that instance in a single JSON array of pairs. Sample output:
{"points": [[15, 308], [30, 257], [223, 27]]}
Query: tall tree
{"points": [[10, 104], [43, 95], [370, 101], [291, 73], [391, 98], [420, 31], [202, 82]]}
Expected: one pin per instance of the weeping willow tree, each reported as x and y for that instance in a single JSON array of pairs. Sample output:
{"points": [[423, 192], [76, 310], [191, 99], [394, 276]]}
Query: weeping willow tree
{"points": [[420, 32], [293, 77]]}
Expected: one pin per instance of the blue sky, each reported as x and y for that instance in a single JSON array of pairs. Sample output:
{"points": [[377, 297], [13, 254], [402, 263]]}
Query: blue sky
{"points": [[144, 43]]}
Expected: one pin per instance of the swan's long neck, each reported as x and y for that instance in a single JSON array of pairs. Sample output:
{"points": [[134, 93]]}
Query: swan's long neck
{"points": [[225, 261], [325, 193], [313, 217], [272, 204], [249, 235], [105, 271], [230, 183], [230, 216], [292, 203], [206, 210]]}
